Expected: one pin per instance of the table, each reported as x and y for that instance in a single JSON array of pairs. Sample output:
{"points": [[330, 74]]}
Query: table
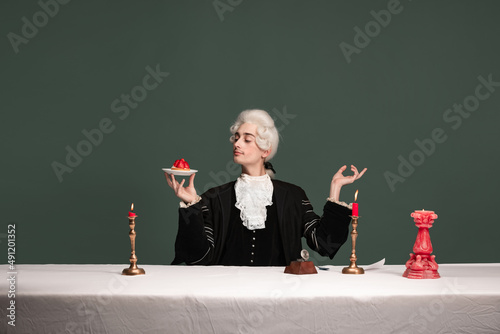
{"points": [[217, 299]]}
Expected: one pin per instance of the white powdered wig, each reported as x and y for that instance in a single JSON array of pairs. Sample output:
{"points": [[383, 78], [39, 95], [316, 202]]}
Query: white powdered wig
{"points": [[267, 134]]}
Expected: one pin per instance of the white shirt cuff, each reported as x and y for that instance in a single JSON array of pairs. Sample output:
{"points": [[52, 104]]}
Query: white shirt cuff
{"points": [[349, 206], [184, 205]]}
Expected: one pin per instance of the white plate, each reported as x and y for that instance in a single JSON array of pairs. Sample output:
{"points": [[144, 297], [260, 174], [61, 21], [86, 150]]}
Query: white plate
{"points": [[179, 172]]}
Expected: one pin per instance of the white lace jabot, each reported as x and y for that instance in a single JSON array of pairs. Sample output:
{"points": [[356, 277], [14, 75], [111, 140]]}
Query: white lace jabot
{"points": [[253, 194]]}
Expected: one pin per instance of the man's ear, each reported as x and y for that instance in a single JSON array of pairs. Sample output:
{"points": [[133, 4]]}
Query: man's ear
{"points": [[266, 153]]}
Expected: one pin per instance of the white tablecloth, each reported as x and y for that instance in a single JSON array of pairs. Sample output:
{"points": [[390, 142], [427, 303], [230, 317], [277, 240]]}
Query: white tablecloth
{"points": [[180, 299]]}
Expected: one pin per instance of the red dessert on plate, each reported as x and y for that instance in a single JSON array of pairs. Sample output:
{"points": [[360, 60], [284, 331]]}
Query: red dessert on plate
{"points": [[181, 165]]}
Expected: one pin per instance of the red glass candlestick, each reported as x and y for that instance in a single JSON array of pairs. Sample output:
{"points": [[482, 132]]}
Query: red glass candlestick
{"points": [[422, 264]]}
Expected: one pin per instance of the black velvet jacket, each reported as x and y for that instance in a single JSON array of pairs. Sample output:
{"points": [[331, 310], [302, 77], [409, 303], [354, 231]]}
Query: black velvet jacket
{"points": [[203, 226]]}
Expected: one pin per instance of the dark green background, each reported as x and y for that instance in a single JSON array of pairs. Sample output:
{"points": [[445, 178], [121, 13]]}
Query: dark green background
{"points": [[275, 55]]}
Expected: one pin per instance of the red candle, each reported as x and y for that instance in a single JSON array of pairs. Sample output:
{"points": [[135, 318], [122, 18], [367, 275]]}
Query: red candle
{"points": [[130, 213], [355, 209]]}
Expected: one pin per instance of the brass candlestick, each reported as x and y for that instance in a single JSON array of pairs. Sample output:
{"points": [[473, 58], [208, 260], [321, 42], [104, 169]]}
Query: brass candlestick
{"points": [[353, 268], [133, 269]]}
